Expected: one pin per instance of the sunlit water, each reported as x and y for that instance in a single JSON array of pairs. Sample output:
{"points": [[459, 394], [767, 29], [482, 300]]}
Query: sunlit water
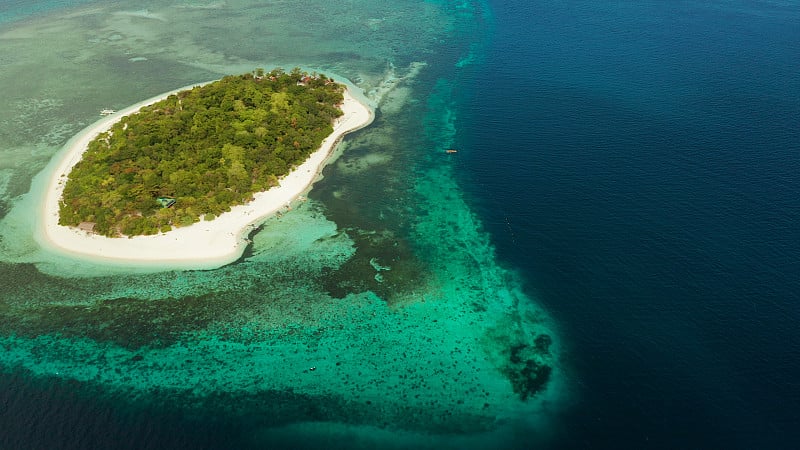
{"points": [[629, 166], [374, 314]]}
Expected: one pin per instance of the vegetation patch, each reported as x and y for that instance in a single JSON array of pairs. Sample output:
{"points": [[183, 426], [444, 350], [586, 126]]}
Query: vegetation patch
{"points": [[199, 152]]}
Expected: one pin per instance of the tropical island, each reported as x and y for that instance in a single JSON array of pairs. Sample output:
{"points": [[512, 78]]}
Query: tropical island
{"points": [[181, 178], [199, 152]]}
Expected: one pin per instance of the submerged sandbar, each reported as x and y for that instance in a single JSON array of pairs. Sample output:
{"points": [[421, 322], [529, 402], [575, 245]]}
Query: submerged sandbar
{"points": [[205, 244]]}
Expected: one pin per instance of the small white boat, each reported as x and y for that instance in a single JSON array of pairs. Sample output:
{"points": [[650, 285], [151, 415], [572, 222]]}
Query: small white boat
{"points": [[107, 112]]}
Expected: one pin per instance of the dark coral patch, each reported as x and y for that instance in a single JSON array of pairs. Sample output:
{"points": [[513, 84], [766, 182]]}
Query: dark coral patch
{"points": [[527, 375]]}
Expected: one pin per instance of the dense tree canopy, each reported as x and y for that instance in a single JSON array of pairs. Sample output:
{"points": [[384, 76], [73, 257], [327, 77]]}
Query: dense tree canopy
{"points": [[209, 148]]}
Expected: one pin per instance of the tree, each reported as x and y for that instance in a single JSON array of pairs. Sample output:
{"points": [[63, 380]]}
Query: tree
{"points": [[211, 147]]}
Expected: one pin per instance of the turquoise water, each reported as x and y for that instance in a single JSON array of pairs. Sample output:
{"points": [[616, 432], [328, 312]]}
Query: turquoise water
{"points": [[627, 168], [374, 314]]}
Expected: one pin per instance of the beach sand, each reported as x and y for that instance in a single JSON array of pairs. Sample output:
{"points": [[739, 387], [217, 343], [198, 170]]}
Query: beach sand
{"points": [[203, 245]]}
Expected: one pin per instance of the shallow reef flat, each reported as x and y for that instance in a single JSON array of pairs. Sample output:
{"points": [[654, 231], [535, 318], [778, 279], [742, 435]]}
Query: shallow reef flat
{"points": [[374, 309], [418, 330]]}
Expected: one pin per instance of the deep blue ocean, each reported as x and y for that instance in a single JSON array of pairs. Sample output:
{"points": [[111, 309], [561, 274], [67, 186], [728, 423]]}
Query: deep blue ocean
{"points": [[638, 164]]}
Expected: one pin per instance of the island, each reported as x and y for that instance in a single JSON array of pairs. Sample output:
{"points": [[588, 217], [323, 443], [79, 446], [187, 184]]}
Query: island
{"points": [[181, 178]]}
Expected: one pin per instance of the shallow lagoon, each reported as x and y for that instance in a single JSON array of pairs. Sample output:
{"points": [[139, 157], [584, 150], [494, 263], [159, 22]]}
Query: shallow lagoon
{"points": [[375, 312]]}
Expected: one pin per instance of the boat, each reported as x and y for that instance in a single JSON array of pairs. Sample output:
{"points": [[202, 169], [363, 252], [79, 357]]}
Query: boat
{"points": [[107, 112], [451, 151]]}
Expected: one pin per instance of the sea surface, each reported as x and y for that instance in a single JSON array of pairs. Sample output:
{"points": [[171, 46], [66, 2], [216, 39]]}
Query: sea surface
{"points": [[610, 260]]}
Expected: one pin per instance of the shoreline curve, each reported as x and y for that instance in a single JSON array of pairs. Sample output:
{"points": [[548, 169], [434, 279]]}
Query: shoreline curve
{"points": [[204, 244]]}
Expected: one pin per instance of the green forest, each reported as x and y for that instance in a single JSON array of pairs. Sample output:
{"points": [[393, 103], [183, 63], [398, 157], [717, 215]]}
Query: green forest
{"points": [[199, 152]]}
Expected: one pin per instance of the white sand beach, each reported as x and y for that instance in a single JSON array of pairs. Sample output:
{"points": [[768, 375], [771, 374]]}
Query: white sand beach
{"points": [[203, 245]]}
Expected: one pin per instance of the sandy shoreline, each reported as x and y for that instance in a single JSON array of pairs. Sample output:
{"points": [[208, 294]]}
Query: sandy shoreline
{"points": [[203, 244]]}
